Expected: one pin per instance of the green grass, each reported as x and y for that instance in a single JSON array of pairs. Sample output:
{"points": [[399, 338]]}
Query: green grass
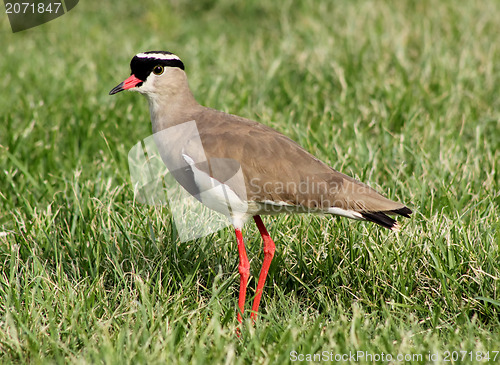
{"points": [[402, 95]]}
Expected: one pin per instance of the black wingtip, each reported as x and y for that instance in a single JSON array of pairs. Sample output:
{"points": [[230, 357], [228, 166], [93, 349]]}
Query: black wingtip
{"points": [[405, 212], [384, 220]]}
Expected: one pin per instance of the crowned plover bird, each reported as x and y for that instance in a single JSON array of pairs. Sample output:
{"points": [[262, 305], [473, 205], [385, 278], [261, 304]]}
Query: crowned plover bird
{"points": [[261, 170]]}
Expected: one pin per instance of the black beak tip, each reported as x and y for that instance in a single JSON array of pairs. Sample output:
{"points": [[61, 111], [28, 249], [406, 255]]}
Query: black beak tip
{"points": [[117, 89]]}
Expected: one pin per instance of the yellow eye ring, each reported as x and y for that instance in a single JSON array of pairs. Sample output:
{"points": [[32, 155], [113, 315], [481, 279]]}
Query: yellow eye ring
{"points": [[158, 70]]}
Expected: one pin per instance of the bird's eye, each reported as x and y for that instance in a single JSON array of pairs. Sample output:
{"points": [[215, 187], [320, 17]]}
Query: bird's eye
{"points": [[158, 70]]}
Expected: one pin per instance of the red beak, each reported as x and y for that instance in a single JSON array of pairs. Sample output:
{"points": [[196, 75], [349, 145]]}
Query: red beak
{"points": [[129, 83]]}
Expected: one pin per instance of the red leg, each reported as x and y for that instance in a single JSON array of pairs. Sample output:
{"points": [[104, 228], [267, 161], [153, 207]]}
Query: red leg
{"points": [[244, 269], [269, 249]]}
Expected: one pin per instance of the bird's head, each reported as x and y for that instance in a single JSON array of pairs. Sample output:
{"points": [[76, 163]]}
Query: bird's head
{"points": [[153, 73]]}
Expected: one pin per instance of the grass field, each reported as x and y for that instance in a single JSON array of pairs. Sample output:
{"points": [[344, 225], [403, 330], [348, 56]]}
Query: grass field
{"points": [[402, 95]]}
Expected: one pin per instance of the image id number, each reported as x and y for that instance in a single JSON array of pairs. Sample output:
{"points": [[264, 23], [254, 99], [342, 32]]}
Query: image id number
{"points": [[32, 8]]}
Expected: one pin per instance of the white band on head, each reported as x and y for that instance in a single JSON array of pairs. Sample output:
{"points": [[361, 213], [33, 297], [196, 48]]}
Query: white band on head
{"points": [[160, 56]]}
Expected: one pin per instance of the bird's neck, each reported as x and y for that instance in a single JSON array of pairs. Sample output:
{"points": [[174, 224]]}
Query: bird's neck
{"points": [[172, 108]]}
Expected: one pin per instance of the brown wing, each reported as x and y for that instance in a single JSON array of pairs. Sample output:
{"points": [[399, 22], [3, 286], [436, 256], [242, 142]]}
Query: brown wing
{"points": [[277, 169]]}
